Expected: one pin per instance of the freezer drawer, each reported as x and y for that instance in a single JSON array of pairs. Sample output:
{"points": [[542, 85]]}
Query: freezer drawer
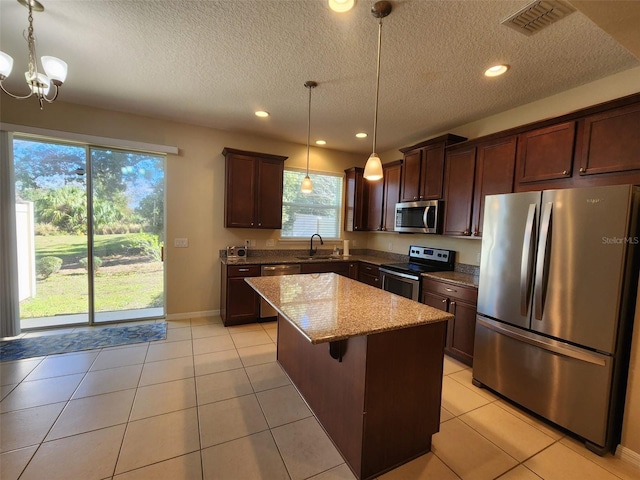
{"points": [[565, 384]]}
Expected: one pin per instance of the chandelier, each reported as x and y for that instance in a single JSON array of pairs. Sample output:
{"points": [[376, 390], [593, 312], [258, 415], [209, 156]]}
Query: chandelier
{"points": [[39, 83]]}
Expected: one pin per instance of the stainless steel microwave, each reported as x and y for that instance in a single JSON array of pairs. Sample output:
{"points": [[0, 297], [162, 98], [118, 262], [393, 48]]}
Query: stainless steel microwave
{"points": [[423, 216]]}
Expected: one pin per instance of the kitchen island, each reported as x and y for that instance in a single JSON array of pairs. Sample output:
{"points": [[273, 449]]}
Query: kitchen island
{"points": [[367, 362]]}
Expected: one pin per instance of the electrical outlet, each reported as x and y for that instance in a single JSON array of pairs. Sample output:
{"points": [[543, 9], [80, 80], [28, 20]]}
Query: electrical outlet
{"points": [[252, 243], [270, 242], [390, 246], [181, 242], [354, 242]]}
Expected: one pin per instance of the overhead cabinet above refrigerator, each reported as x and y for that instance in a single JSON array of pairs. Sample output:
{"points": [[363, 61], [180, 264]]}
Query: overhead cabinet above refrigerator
{"points": [[558, 277]]}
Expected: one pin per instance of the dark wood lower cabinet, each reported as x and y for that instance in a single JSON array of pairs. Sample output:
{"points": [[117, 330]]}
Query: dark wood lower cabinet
{"points": [[239, 303], [369, 274], [381, 403], [462, 303]]}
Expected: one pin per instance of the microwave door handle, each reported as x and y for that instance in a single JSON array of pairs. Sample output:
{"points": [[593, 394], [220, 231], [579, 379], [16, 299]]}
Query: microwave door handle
{"points": [[542, 262], [526, 265], [425, 216]]}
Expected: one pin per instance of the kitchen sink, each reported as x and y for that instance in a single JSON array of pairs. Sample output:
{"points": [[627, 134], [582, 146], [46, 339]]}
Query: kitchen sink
{"points": [[316, 257]]}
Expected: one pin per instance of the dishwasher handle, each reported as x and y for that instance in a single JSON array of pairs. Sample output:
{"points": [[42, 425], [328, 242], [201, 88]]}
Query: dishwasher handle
{"points": [[277, 270]]}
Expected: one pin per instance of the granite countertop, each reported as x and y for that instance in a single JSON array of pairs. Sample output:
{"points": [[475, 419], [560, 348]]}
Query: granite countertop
{"points": [[285, 259], [327, 307], [464, 279]]}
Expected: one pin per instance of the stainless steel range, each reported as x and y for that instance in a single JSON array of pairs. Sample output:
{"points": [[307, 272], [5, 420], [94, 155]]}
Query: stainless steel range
{"points": [[404, 278]]}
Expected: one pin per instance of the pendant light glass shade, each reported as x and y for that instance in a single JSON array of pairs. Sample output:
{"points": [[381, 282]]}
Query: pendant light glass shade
{"points": [[373, 167], [307, 185]]}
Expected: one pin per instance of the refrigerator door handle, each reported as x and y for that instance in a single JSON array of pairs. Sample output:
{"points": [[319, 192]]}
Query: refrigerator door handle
{"points": [[542, 263], [550, 345], [526, 266]]}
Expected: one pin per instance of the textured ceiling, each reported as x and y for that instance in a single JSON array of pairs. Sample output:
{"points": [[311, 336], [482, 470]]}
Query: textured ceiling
{"points": [[213, 63]]}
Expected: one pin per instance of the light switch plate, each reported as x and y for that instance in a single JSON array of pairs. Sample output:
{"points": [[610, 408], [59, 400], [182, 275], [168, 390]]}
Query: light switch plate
{"points": [[181, 242]]}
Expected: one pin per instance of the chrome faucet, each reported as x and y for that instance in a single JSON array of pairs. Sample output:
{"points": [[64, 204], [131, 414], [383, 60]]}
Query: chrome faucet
{"points": [[312, 251]]}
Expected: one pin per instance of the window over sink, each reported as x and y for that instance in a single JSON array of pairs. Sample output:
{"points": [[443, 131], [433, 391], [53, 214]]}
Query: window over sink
{"points": [[320, 211]]}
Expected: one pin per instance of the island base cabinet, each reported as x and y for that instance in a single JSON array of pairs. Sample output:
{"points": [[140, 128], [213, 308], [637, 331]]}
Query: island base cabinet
{"points": [[380, 402]]}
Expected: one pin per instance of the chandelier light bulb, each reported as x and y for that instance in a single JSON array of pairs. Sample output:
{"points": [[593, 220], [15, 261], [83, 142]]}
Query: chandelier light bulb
{"points": [[55, 69], [6, 64]]}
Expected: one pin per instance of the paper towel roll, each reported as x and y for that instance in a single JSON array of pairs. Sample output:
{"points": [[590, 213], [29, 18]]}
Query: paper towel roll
{"points": [[345, 248]]}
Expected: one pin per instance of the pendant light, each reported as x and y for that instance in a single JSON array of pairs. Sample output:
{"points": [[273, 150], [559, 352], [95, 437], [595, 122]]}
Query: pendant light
{"points": [[373, 167], [307, 186]]}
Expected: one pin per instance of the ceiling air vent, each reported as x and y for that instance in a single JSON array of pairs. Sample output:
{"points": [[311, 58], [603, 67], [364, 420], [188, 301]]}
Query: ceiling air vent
{"points": [[538, 15]]}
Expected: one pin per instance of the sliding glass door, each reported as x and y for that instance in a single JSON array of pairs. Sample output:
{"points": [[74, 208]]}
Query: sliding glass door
{"points": [[90, 229]]}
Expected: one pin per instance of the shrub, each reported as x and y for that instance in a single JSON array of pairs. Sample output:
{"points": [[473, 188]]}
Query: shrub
{"points": [[47, 266], [97, 263], [145, 244], [45, 229]]}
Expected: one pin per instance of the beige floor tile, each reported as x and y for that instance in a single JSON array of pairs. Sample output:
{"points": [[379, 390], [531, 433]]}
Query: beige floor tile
{"points": [[158, 438], [341, 472], [216, 362], [169, 350], [305, 448], [222, 386], [186, 467], [273, 335], [258, 354], [519, 473], [93, 413], [425, 467], [120, 357], [465, 377], [175, 335], [445, 415], [12, 463], [178, 323], [58, 365], [16, 371], [212, 344], [270, 326], [249, 327], [559, 462], [282, 405], [254, 457], [609, 462], [41, 392], [106, 381], [210, 330], [452, 365], [541, 425], [22, 428], [6, 390], [458, 399], [266, 376], [210, 320], [89, 456], [250, 339], [164, 398], [510, 433], [469, 454], [166, 371], [230, 419]]}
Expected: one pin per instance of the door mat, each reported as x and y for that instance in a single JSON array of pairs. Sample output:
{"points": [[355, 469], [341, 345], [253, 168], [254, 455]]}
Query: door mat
{"points": [[84, 340]]}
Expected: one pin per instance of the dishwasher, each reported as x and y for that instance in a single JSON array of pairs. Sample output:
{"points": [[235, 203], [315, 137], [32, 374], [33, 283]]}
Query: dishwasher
{"points": [[266, 310]]}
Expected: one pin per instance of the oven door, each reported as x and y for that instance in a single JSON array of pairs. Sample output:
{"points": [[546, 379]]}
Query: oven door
{"points": [[402, 284]]}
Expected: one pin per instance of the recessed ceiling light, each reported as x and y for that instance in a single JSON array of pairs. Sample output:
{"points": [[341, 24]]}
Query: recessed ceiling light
{"points": [[496, 70], [261, 113], [341, 5], [321, 142], [361, 135]]}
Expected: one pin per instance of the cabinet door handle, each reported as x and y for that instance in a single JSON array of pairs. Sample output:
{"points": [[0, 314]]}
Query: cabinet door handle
{"points": [[466, 232], [259, 224], [252, 224], [565, 172], [444, 301], [583, 170]]}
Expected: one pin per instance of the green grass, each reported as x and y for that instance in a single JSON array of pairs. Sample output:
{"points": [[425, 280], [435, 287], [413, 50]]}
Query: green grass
{"points": [[122, 283]]}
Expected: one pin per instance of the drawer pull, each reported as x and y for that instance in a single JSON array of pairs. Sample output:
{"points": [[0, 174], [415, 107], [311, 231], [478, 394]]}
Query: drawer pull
{"points": [[243, 269], [450, 289]]}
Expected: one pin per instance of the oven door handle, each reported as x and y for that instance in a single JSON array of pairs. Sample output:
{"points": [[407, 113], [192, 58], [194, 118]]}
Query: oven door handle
{"points": [[398, 274]]}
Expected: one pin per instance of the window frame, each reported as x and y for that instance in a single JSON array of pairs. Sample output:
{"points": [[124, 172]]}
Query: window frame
{"points": [[340, 207]]}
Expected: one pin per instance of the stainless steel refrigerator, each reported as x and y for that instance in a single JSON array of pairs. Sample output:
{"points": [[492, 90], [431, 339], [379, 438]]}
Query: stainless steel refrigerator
{"points": [[556, 299]]}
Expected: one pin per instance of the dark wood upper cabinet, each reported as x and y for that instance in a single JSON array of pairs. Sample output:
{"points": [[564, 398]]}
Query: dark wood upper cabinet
{"points": [[611, 141], [423, 168], [460, 167], [495, 171], [546, 153], [356, 200], [253, 190], [392, 180], [374, 205]]}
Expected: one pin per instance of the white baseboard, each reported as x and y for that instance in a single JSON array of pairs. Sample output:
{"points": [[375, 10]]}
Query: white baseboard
{"points": [[628, 456], [182, 316]]}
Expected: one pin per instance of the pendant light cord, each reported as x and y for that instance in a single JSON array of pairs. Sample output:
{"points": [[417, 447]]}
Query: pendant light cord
{"points": [[309, 129], [375, 115]]}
